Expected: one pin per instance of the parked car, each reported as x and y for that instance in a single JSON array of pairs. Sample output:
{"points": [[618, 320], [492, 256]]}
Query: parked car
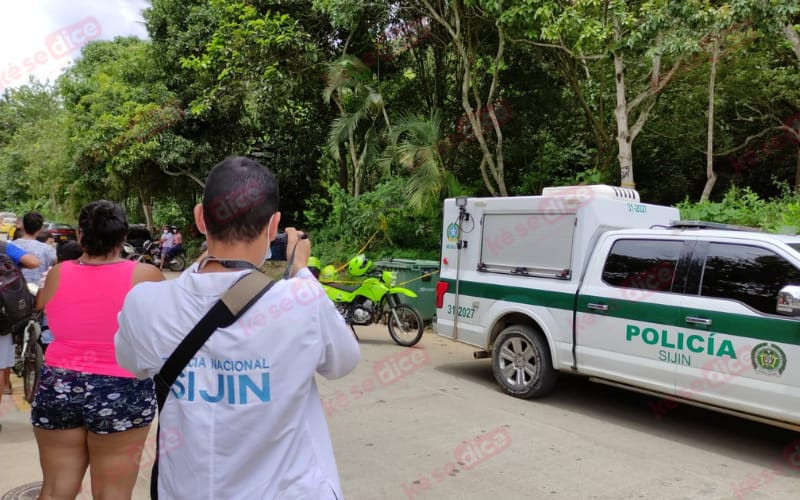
{"points": [[137, 235], [61, 232], [7, 223]]}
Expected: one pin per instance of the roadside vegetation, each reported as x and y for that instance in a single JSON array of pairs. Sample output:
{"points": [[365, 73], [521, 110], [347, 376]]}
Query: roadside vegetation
{"points": [[371, 113]]}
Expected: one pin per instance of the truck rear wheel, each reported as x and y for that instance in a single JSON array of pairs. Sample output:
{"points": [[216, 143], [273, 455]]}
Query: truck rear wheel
{"points": [[521, 362]]}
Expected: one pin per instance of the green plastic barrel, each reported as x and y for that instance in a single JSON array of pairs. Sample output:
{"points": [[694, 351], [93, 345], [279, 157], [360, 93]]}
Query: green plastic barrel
{"points": [[419, 276]]}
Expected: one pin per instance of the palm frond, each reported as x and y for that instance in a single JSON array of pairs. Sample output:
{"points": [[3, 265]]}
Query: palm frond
{"points": [[340, 130], [346, 72]]}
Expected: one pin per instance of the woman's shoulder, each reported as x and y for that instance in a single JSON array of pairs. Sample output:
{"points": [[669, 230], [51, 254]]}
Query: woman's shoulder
{"points": [[145, 272]]}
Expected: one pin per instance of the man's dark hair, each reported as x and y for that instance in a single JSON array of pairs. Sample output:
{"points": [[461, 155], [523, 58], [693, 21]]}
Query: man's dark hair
{"points": [[69, 250], [103, 227], [43, 236], [32, 222], [240, 197]]}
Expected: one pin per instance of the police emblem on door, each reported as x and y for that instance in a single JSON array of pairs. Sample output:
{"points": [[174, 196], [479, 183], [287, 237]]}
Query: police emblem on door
{"points": [[768, 359]]}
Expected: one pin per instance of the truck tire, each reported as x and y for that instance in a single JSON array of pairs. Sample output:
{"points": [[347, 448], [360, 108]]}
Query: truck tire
{"points": [[521, 362]]}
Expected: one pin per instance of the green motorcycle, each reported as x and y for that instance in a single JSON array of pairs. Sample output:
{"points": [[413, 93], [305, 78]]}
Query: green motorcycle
{"points": [[373, 300]]}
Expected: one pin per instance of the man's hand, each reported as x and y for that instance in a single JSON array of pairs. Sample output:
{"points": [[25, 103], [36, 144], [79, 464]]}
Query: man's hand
{"points": [[297, 240]]}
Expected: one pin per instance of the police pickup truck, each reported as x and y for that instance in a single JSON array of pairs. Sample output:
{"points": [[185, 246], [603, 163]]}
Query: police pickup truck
{"points": [[591, 281]]}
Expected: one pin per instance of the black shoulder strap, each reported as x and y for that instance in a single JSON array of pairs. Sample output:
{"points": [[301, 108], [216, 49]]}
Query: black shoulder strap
{"points": [[238, 299]]}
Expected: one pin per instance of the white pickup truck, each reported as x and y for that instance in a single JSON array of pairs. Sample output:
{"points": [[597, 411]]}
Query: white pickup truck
{"points": [[590, 281]]}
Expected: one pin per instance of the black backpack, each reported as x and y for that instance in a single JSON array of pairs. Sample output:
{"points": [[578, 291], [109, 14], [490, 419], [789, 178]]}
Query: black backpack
{"points": [[16, 301]]}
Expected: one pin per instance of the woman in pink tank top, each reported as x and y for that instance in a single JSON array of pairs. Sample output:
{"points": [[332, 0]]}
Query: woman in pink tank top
{"points": [[88, 410]]}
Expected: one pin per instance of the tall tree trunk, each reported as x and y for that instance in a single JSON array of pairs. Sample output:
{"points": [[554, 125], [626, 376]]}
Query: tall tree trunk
{"points": [[147, 208], [624, 141], [53, 203], [343, 177], [626, 134], [491, 165], [797, 171], [711, 177], [351, 144], [794, 39]]}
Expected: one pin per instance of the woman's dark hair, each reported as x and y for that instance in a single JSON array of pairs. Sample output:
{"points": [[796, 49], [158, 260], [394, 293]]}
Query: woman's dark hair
{"points": [[103, 227]]}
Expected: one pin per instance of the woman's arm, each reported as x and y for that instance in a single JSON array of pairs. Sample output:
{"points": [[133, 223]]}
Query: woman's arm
{"points": [[50, 287]]}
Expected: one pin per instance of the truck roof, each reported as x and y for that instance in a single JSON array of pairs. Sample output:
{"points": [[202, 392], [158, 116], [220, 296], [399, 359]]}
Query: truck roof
{"points": [[715, 233]]}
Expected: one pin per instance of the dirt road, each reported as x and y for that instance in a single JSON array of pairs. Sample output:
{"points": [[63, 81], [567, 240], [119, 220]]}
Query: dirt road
{"points": [[430, 423]]}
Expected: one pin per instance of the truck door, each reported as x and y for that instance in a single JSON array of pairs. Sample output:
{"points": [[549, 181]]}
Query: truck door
{"points": [[742, 354], [627, 311]]}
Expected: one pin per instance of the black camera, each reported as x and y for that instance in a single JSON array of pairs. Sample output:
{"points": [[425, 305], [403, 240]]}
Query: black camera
{"points": [[278, 247]]}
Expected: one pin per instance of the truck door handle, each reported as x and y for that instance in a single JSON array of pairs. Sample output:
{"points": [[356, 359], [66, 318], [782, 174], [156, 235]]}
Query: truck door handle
{"points": [[698, 321], [597, 307]]}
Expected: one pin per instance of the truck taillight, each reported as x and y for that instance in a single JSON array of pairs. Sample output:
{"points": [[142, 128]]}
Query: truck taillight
{"points": [[441, 289]]}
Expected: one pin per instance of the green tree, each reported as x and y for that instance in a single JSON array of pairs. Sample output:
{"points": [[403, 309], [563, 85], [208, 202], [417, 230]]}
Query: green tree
{"points": [[415, 143]]}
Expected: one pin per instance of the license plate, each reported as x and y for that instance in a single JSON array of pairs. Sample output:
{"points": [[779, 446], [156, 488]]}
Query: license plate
{"points": [[62, 238]]}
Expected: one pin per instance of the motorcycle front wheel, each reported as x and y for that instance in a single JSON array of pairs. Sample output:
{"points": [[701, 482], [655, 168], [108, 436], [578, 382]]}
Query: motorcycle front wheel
{"points": [[405, 325], [31, 368]]}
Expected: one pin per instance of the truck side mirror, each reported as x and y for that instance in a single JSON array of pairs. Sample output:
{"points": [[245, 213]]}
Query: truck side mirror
{"points": [[789, 301]]}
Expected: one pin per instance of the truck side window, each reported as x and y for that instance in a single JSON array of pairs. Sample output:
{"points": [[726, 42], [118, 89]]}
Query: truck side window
{"points": [[642, 264], [749, 274]]}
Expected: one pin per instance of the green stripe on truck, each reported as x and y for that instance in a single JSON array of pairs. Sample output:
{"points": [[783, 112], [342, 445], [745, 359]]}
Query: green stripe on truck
{"points": [[776, 329]]}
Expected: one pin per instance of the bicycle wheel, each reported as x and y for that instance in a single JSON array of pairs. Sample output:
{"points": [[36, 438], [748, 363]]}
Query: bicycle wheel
{"points": [[408, 331], [31, 369]]}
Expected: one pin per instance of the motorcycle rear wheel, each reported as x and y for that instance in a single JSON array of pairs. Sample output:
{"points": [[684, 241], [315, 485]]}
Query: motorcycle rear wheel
{"points": [[31, 368], [177, 263], [409, 331]]}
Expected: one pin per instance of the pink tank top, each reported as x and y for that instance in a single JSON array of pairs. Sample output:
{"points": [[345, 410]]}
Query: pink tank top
{"points": [[83, 316]]}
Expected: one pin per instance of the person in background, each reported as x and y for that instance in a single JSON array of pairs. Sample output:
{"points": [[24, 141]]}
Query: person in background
{"points": [[166, 243], [69, 250], [177, 242], [25, 261], [46, 237], [31, 225], [88, 411]]}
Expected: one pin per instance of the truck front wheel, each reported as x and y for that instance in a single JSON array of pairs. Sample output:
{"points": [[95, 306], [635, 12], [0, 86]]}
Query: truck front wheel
{"points": [[521, 362]]}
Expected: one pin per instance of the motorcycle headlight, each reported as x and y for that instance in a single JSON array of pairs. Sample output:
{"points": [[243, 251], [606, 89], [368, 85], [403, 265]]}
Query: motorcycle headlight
{"points": [[390, 278]]}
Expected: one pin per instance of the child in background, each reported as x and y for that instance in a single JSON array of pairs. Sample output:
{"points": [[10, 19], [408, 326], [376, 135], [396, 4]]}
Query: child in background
{"points": [[69, 250], [46, 237]]}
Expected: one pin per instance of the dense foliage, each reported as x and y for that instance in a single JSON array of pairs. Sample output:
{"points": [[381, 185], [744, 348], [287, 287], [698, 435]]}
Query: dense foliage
{"points": [[370, 113]]}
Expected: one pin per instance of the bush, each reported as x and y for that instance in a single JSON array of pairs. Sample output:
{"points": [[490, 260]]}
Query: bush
{"points": [[744, 207], [380, 222]]}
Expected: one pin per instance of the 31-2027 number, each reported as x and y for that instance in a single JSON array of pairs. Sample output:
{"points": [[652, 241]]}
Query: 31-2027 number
{"points": [[463, 312], [637, 207]]}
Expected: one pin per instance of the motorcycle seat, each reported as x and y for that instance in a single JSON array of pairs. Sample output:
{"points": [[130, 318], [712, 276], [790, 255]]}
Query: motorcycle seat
{"points": [[343, 287]]}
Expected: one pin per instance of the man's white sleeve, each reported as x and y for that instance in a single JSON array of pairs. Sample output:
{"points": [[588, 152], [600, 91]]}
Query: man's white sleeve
{"points": [[127, 346], [340, 353]]}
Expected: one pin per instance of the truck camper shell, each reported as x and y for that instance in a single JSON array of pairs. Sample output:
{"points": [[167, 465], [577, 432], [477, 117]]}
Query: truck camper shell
{"points": [[547, 236]]}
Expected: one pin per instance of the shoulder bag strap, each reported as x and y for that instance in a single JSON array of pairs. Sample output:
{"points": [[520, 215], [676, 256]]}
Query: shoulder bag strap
{"points": [[233, 303]]}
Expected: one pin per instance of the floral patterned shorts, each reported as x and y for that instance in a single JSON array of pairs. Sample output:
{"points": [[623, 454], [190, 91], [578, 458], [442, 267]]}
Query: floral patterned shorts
{"points": [[66, 399]]}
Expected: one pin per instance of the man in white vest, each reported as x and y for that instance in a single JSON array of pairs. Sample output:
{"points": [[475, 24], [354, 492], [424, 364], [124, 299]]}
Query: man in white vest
{"points": [[244, 417]]}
